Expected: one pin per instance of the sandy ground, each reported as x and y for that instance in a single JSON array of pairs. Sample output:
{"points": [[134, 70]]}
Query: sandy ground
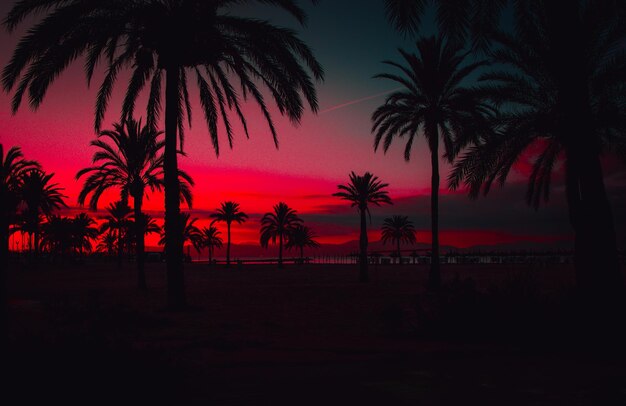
{"points": [[305, 335]]}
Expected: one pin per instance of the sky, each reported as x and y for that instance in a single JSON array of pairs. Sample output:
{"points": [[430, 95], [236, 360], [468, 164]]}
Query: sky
{"points": [[350, 42]]}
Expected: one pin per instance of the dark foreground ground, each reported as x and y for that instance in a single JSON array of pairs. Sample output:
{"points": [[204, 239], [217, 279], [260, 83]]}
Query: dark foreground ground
{"points": [[306, 335]]}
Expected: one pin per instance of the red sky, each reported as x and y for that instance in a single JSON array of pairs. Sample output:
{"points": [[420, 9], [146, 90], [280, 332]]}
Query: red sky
{"points": [[313, 158]]}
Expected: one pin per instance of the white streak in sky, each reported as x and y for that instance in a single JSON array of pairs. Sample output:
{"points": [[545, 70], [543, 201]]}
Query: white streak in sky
{"points": [[362, 99]]}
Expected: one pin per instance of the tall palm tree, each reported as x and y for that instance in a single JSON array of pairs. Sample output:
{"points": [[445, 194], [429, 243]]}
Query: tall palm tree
{"points": [[360, 192], [129, 158], [211, 239], [433, 101], [397, 230], [41, 198], [171, 38], [191, 232], [577, 45], [277, 226], [12, 167], [562, 91], [118, 221], [84, 231], [229, 212], [301, 237]]}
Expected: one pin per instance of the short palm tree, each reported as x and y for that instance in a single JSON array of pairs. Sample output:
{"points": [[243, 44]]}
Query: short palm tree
{"points": [[12, 167], [57, 236], [433, 102], [118, 221], [84, 231], [398, 230], [41, 198], [227, 213], [277, 226], [107, 243], [129, 158], [211, 239], [301, 237], [362, 191], [168, 40]]}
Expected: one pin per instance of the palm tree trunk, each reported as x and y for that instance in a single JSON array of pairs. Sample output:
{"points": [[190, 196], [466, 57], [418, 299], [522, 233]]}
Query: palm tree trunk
{"points": [[228, 246], [280, 250], [173, 231], [120, 247], [598, 277], [210, 254], [363, 274], [139, 241], [399, 258], [434, 277], [302, 254]]}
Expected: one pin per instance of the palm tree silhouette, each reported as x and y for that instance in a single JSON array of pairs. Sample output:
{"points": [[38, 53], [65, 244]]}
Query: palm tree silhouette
{"points": [[169, 38], [361, 191], [211, 239], [57, 236], [41, 198], [434, 101], [107, 243], [460, 21], [118, 221], [560, 92], [12, 167], [84, 231], [229, 212], [191, 232], [301, 237], [277, 226], [397, 230], [129, 158]]}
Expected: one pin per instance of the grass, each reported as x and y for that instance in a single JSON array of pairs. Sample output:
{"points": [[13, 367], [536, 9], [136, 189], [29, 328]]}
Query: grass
{"points": [[308, 334]]}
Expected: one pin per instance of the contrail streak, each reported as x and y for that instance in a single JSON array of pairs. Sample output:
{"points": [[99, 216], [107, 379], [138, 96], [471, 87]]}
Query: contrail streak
{"points": [[350, 103]]}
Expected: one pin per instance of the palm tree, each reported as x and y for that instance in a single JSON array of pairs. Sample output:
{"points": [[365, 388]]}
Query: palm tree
{"points": [[107, 243], [360, 192], [562, 92], [84, 231], [277, 226], [191, 232], [460, 21], [12, 167], [129, 158], [41, 198], [211, 239], [398, 229], [57, 236], [434, 102], [118, 221], [171, 38], [300, 237], [229, 212]]}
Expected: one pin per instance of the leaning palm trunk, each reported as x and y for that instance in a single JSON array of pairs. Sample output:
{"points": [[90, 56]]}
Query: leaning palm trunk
{"points": [[139, 241], [599, 279], [173, 231], [363, 274], [434, 277]]}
